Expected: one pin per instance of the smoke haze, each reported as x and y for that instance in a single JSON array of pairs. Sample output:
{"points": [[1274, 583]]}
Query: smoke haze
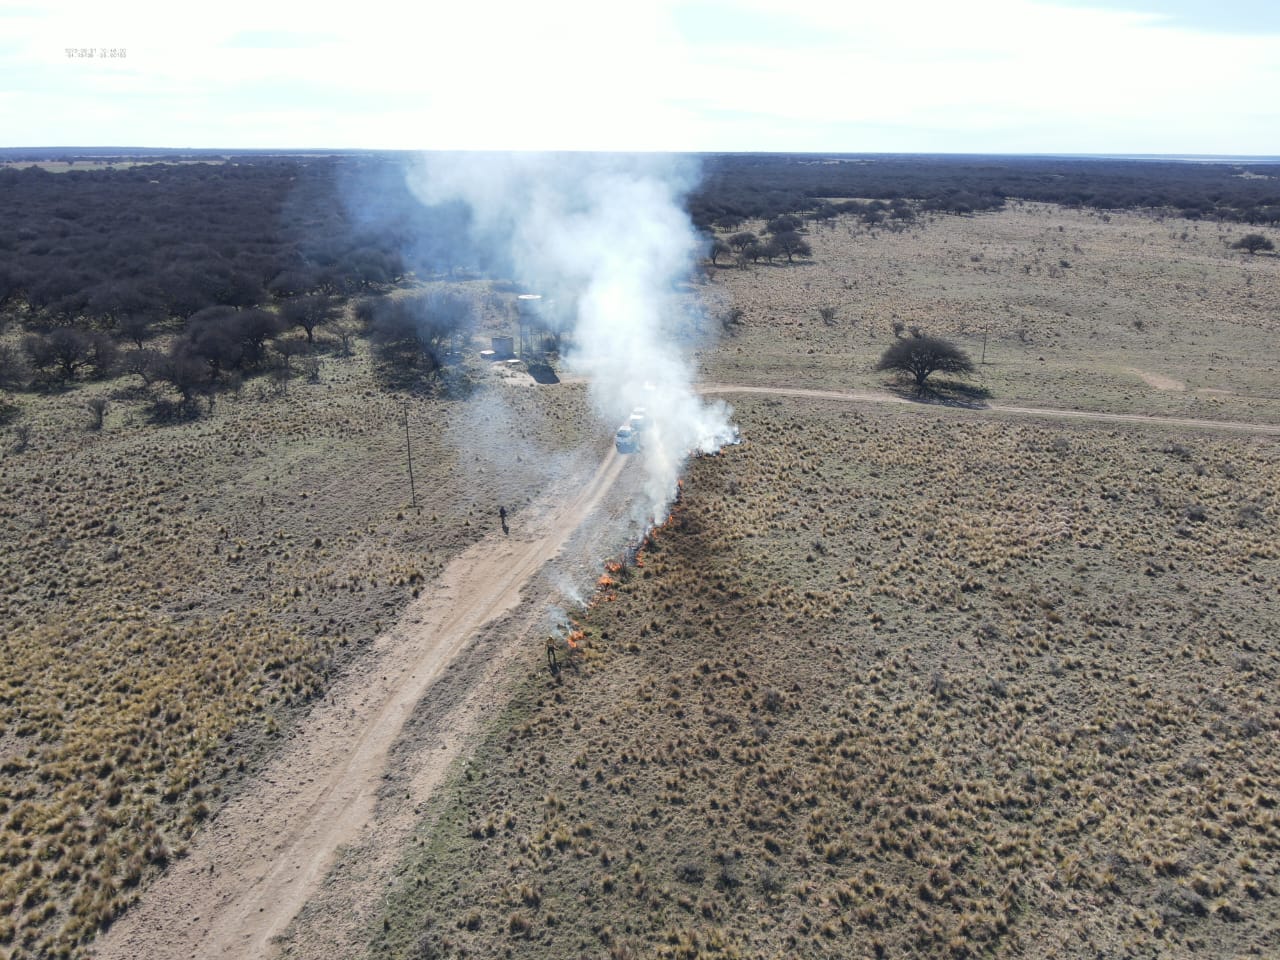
{"points": [[607, 239]]}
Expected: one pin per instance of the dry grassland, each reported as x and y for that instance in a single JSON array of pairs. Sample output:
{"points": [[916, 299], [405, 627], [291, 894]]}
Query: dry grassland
{"points": [[918, 682], [896, 685], [173, 595], [890, 682], [1118, 312]]}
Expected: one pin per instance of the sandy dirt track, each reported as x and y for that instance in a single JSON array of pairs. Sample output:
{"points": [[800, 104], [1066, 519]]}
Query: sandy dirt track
{"points": [[255, 866], [251, 871], [1053, 413], [1157, 380]]}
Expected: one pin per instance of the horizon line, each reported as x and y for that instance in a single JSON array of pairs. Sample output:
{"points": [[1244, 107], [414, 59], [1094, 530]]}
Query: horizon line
{"points": [[115, 150]]}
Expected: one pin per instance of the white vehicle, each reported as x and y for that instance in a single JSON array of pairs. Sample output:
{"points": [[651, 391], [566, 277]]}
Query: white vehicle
{"points": [[626, 439], [630, 436]]}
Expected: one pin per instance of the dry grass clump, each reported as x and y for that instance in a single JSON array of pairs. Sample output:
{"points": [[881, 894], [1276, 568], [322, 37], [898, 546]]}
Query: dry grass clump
{"points": [[172, 596], [119, 736], [896, 684]]}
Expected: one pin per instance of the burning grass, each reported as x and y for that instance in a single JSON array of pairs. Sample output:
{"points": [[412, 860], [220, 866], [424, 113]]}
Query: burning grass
{"points": [[894, 684]]}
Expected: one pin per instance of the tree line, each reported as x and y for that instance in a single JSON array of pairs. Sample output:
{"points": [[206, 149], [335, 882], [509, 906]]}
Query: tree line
{"points": [[97, 247], [221, 346], [738, 187], [196, 274]]}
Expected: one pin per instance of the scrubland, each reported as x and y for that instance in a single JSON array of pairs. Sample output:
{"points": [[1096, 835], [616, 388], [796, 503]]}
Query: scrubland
{"points": [[893, 684], [175, 594], [1075, 307], [909, 681], [920, 681]]}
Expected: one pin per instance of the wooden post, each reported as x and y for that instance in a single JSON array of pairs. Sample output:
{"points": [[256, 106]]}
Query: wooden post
{"points": [[408, 452], [984, 344]]}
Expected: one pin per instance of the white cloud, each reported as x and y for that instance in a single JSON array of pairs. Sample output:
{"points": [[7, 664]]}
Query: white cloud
{"points": [[1001, 75]]}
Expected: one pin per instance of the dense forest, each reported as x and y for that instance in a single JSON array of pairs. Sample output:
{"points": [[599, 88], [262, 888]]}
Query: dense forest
{"points": [[170, 239], [738, 186], [184, 268], [190, 272]]}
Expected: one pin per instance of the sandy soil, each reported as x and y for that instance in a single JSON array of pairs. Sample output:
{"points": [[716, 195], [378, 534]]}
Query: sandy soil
{"points": [[268, 853], [1157, 380], [248, 875]]}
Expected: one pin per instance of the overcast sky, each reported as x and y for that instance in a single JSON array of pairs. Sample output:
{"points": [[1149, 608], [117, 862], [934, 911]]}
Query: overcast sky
{"points": [[999, 76]]}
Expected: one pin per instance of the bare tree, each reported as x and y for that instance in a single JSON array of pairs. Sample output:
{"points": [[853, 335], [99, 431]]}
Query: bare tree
{"points": [[288, 349], [308, 313], [66, 351], [14, 371], [136, 328], [346, 330], [147, 363], [104, 355], [97, 407], [185, 370], [21, 438]]}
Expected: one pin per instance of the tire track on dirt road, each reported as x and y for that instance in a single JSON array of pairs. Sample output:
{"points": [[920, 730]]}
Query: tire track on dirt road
{"points": [[1052, 413], [257, 863]]}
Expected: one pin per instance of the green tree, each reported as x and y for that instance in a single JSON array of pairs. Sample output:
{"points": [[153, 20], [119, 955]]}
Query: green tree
{"points": [[792, 244], [1253, 242], [309, 313], [921, 356]]}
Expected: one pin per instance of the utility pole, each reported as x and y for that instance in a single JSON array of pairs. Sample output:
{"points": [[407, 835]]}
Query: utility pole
{"points": [[408, 452], [984, 344]]}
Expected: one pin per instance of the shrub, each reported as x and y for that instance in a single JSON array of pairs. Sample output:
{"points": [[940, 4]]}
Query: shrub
{"points": [[1252, 243]]}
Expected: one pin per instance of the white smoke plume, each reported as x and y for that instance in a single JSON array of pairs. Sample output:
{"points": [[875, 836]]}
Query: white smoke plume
{"points": [[607, 237]]}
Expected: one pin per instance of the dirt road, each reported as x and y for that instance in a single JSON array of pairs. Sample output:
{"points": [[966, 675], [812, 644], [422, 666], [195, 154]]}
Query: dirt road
{"points": [[267, 852], [255, 866], [1052, 413]]}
